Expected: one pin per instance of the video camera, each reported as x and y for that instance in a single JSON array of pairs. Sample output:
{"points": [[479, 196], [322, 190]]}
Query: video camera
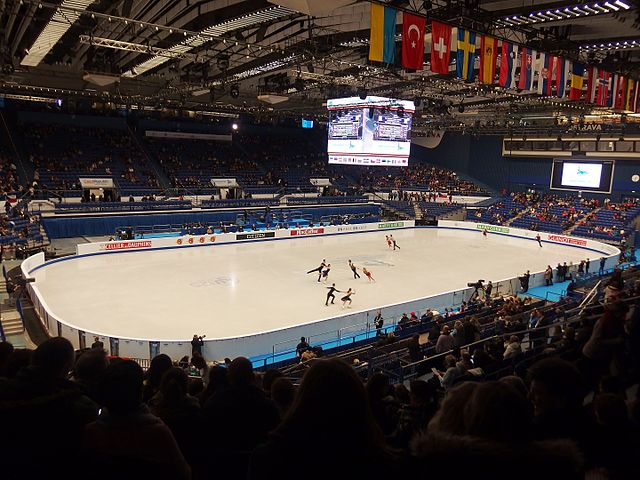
{"points": [[478, 284]]}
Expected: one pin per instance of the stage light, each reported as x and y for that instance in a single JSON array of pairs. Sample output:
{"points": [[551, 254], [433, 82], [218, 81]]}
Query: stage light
{"points": [[234, 126]]}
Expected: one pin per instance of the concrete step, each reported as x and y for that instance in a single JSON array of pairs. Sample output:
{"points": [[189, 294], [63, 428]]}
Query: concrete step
{"points": [[12, 326]]}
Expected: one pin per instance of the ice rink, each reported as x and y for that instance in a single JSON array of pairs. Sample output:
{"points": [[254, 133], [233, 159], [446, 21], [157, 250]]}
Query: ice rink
{"points": [[234, 290]]}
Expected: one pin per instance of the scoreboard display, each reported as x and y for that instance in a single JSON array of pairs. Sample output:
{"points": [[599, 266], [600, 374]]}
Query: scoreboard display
{"points": [[370, 131]]}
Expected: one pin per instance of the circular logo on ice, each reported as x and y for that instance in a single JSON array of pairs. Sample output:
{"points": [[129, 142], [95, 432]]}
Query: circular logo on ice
{"points": [[214, 282]]}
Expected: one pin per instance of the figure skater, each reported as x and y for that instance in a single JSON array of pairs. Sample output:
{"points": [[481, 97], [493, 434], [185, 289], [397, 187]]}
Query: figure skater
{"points": [[330, 294], [319, 269], [393, 240], [368, 274], [389, 243], [325, 273], [539, 241], [354, 270], [347, 298], [484, 233]]}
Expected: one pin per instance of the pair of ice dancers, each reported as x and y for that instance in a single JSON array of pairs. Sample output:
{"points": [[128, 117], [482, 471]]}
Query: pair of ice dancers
{"points": [[366, 272], [323, 270], [391, 242], [345, 299]]}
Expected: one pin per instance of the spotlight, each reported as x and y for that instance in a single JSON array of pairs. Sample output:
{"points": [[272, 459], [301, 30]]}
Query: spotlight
{"points": [[234, 91], [234, 126]]}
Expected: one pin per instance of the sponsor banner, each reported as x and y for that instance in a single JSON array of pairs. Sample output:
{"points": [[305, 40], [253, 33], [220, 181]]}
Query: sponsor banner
{"points": [[202, 239], [567, 240], [391, 225], [307, 231], [352, 228], [96, 182], [492, 228], [126, 245], [255, 235], [191, 136]]}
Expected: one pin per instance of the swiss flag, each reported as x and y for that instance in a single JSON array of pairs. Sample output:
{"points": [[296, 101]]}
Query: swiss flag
{"points": [[412, 41], [440, 47]]}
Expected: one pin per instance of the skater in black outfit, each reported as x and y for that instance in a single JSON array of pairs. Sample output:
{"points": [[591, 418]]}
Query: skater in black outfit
{"points": [[325, 273], [354, 270], [347, 298], [330, 294], [319, 269], [393, 240]]}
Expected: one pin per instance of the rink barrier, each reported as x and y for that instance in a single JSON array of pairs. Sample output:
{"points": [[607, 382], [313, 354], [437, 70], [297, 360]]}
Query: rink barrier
{"points": [[282, 341]]}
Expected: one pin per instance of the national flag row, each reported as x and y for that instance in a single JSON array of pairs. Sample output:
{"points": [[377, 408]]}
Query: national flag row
{"points": [[500, 62]]}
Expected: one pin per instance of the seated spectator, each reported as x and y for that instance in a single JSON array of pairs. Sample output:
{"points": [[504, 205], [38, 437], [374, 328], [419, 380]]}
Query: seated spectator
{"points": [[41, 394], [283, 393], [181, 413], [126, 431], [241, 415], [474, 434], [329, 419], [159, 364], [513, 348]]}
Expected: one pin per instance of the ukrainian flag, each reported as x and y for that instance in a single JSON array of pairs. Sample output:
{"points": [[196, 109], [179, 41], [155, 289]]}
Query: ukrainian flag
{"points": [[382, 44]]}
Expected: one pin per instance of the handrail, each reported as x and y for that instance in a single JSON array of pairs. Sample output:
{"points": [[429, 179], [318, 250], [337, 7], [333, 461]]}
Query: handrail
{"points": [[589, 296]]}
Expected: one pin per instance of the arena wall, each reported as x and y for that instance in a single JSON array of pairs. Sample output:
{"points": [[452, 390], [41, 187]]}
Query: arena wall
{"points": [[284, 340]]}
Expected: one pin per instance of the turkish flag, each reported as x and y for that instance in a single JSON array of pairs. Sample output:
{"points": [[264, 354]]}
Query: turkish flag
{"points": [[440, 47], [412, 41]]}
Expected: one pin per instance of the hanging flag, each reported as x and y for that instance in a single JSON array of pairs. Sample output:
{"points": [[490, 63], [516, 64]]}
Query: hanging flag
{"points": [[508, 65], [592, 84], [526, 69], [488, 56], [577, 81], [613, 90], [635, 106], [382, 42], [602, 91], [440, 47], [412, 41], [628, 98], [544, 75], [466, 54], [622, 85], [562, 68]]}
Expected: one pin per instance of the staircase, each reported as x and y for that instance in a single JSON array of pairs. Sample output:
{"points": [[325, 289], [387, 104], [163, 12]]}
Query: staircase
{"points": [[165, 183], [417, 210], [7, 128], [575, 225], [520, 214]]}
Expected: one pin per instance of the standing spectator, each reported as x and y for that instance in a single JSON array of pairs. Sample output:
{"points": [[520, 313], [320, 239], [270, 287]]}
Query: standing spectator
{"points": [[601, 269], [302, 347], [97, 343], [548, 276], [197, 343], [445, 341]]}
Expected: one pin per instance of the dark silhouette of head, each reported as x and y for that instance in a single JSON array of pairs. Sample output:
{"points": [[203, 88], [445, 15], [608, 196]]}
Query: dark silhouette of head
{"points": [[241, 372], [54, 357], [159, 364], [555, 385], [121, 387], [497, 411], [331, 407]]}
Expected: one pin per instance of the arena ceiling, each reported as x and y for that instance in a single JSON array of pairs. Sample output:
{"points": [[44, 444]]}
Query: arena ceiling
{"points": [[223, 54]]}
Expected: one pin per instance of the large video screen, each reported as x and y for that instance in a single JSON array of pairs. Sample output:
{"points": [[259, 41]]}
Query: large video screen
{"points": [[370, 131], [582, 175]]}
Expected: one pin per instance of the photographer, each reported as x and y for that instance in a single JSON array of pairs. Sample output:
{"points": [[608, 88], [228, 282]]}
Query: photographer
{"points": [[197, 343]]}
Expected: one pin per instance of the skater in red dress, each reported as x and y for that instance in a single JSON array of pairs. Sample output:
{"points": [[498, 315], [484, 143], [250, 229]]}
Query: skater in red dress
{"points": [[368, 274]]}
